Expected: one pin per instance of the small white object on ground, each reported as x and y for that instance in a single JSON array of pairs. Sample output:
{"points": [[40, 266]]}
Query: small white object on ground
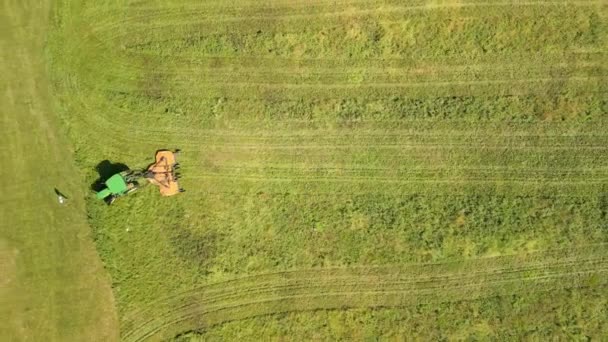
{"points": [[61, 199]]}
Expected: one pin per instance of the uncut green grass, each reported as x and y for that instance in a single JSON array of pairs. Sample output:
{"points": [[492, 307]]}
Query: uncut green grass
{"points": [[336, 135]]}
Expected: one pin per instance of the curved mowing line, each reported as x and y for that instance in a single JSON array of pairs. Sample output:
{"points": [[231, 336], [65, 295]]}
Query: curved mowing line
{"points": [[223, 88], [306, 278], [483, 265], [194, 317], [415, 77], [314, 284], [364, 287], [262, 68], [488, 266]]}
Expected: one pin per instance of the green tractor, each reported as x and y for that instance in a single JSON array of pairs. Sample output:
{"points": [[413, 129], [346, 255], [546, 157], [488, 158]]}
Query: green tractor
{"points": [[163, 173], [120, 184]]}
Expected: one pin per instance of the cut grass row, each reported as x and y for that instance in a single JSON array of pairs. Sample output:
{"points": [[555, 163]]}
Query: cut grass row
{"points": [[364, 287]]}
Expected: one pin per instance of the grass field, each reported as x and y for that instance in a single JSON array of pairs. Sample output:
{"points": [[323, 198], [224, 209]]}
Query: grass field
{"points": [[52, 283], [352, 168]]}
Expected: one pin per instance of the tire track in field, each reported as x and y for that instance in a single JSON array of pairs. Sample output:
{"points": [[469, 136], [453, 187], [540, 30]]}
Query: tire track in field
{"points": [[334, 288], [263, 283], [381, 287], [484, 265]]}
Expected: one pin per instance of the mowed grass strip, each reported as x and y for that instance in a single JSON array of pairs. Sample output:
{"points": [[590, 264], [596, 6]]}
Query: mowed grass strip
{"points": [[52, 284]]}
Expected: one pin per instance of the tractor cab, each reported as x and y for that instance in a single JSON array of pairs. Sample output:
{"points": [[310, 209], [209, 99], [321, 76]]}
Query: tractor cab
{"points": [[118, 185]]}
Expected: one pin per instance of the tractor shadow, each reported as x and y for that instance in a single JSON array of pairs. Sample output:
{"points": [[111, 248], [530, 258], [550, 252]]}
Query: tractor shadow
{"points": [[106, 169]]}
